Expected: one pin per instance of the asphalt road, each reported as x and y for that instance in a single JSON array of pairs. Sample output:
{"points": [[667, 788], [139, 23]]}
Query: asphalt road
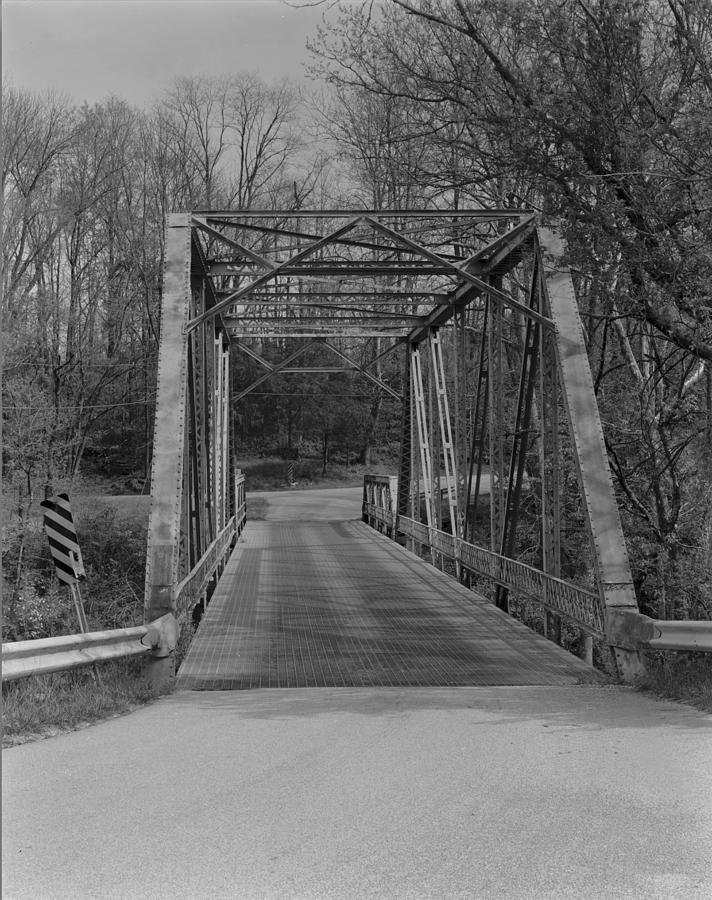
{"points": [[577, 791], [542, 792]]}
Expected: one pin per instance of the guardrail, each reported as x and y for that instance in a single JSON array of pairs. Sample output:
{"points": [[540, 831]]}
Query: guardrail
{"points": [[70, 651], [643, 632], [684, 635]]}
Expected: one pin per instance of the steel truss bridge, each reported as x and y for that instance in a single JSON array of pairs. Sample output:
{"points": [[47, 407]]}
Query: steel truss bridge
{"points": [[468, 320]]}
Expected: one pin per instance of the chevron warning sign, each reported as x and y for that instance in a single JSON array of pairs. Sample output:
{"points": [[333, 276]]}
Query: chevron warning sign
{"points": [[62, 536]]}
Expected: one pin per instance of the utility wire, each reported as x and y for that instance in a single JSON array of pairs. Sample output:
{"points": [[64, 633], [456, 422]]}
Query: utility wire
{"points": [[82, 406]]}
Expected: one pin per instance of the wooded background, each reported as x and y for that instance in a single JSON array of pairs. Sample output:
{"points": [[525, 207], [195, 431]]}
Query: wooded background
{"points": [[596, 114]]}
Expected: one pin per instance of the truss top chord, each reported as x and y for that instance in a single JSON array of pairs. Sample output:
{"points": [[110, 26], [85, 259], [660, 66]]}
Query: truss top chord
{"points": [[447, 214]]}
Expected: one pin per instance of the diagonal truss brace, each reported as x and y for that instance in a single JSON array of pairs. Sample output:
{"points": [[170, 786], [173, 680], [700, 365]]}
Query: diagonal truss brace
{"points": [[281, 367], [275, 370], [235, 245], [457, 270], [352, 362], [253, 354], [426, 465], [269, 276], [438, 370], [398, 342]]}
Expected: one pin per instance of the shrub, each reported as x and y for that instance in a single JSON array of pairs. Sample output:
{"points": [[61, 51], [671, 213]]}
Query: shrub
{"points": [[37, 605]]}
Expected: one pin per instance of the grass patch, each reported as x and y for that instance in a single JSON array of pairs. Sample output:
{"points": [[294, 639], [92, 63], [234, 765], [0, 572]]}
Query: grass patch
{"points": [[682, 676], [45, 705], [272, 474]]}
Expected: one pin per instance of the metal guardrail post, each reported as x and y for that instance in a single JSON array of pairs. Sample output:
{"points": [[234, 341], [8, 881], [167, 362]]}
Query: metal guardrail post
{"points": [[162, 637], [635, 631], [20, 659]]}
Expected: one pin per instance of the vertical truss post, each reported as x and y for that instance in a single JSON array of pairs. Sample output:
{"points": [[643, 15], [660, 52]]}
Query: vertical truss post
{"points": [[446, 440], [227, 500], [461, 422], [434, 451], [208, 348], [496, 423], [520, 441], [550, 468], [219, 426], [187, 550], [405, 467], [164, 534], [200, 441], [414, 469], [479, 425], [194, 456], [216, 430], [426, 467], [220, 431]]}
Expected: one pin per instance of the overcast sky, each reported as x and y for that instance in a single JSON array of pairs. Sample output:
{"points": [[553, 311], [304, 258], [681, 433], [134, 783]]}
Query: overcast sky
{"points": [[91, 49]]}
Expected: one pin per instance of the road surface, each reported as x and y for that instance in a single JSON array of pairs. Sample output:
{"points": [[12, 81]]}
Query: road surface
{"points": [[402, 793]]}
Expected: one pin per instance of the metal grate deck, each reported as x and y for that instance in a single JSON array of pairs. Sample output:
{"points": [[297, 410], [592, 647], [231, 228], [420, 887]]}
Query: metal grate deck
{"points": [[325, 604]]}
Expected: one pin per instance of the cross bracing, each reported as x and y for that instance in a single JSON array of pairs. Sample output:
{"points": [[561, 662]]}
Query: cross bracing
{"points": [[492, 388]]}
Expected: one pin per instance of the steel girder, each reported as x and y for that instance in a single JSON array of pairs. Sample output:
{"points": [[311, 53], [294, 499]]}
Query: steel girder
{"points": [[503, 382]]}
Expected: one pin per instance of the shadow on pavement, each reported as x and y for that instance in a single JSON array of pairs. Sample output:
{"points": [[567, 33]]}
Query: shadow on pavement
{"points": [[586, 706]]}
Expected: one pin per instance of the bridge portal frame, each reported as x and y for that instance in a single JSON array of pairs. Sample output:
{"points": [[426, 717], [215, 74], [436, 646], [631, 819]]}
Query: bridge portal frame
{"points": [[194, 480]]}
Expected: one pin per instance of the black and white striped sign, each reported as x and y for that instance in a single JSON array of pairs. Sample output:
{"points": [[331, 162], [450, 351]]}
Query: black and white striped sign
{"points": [[62, 537]]}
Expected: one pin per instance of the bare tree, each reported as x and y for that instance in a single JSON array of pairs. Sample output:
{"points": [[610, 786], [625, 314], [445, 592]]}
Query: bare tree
{"points": [[231, 138], [37, 134], [603, 109]]}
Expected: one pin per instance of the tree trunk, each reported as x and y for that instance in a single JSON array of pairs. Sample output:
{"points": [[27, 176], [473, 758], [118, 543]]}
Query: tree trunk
{"points": [[369, 436], [325, 451]]}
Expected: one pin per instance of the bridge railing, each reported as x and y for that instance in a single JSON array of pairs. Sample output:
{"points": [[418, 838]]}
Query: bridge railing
{"points": [[579, 606], [379, 492], [189, 591]]}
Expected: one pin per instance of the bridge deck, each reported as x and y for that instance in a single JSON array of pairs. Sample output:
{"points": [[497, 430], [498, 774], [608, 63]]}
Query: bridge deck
{"points": [[312, 597]]}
